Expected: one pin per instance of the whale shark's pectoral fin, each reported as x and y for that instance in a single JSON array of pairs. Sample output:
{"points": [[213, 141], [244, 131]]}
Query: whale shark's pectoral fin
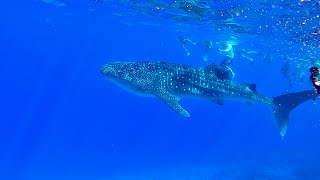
{"points": [[173, 102]]}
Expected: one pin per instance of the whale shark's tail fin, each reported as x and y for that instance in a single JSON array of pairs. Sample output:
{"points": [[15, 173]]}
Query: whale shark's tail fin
{"points": [[284, 104]]}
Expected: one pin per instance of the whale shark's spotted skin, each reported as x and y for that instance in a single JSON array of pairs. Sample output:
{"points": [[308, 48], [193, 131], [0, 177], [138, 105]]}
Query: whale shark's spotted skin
{"points": [[170, 82]]}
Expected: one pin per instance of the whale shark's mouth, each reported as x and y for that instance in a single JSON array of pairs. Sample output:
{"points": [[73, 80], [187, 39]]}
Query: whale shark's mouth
{"points": [[109, 70], [115, 69]]}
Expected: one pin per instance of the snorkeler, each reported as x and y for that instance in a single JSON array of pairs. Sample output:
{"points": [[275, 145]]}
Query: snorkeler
{"points": [[314, 78], [205, 45], [184, 41]]}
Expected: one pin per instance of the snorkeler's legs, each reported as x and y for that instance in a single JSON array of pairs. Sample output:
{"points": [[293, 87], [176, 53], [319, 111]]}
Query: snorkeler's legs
{"points": [[190, 41], [246, 54], [187, 51], [184, 41], [247, 57]]}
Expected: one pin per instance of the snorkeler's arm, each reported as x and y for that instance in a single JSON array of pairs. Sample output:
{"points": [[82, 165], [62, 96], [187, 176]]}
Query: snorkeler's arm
{"points": [[190, 41]]}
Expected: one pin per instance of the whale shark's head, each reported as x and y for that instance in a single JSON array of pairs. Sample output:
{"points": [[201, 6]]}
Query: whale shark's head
{"points": [[135, 77], [131, 75], [116, 70]]}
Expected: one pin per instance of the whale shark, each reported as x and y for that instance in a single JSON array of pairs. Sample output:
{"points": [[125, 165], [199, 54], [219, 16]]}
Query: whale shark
{"points": [[170, 82]]}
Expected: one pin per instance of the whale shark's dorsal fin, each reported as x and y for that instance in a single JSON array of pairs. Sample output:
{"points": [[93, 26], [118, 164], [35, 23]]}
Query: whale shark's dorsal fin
{"points": [[172, 101]]}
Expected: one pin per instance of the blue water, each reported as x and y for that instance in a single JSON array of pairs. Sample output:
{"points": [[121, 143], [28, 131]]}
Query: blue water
{"points": [[61, 119]]}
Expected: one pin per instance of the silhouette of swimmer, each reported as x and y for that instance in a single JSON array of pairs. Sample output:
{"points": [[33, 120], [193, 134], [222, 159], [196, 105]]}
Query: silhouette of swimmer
{"points": [[205, 45], [314, 78]]}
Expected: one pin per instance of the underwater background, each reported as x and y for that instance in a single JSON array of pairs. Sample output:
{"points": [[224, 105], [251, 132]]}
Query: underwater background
{"points": [[60, 118]]}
